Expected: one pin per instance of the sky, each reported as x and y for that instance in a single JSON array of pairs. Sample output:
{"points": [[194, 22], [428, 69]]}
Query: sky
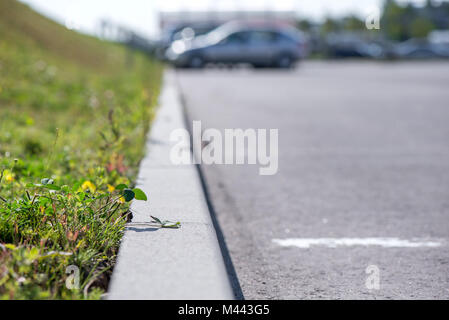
{"points": [[142, 15]]}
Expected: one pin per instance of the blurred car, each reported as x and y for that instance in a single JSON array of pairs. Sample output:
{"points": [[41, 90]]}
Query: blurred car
{"points": [[357, 50], [421, 49], [182, 32], [261, 45], [353, 45]]}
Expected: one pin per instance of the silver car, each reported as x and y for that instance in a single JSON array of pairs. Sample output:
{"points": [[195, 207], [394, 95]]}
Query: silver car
{"points": [[260, 45]]}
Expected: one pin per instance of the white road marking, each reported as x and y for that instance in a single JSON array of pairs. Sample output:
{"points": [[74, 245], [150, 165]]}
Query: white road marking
{"points": [[350, 242]]}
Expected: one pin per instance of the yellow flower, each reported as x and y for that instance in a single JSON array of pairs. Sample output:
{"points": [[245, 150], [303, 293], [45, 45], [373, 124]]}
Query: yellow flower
{"points": [[9, 176], [122, 200], [111, 188], [87, 185], [29, 121]]}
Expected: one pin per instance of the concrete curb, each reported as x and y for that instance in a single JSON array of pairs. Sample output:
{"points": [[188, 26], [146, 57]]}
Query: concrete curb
{"points": [[164, 264]]}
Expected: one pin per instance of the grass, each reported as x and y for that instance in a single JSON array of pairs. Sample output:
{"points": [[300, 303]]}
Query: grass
{"points": [[74, 113]]}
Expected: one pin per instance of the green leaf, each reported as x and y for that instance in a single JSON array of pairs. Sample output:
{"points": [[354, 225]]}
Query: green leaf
{"points": [[33, 254], [80, 196], [140, 195], [157, 220], [171, 225], [129, 195], [10, 246], [121, 187], [52, 187], [48, 186], [76, 187], [177, 225]]}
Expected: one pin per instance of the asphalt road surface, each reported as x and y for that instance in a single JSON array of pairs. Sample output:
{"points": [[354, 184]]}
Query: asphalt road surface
{"points": [[359, 208]]}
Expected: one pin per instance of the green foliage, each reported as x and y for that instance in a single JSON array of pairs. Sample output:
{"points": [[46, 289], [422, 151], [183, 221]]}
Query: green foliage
{"points": [[395, 21], [330, 25], [304, 25], [140, 195], [402, 22], [129, 195], [352, 23], [73, 122], [421, 27]]}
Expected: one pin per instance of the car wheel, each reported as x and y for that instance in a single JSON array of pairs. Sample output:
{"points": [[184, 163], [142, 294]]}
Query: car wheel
{"points": [[284, 61], [196, 62]]}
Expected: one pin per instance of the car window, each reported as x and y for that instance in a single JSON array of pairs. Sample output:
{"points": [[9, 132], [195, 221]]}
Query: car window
{"points": [[263, 37], [236, 38], [285, 37]]}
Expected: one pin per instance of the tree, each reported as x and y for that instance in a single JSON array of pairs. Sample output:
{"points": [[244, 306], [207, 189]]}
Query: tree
{"points": [[395, 21], [421, 27], [304, 25], [330, 25], [353, 23]]}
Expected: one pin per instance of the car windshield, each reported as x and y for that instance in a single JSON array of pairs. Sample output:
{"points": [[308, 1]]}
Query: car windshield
{"points": [[219, 34]]}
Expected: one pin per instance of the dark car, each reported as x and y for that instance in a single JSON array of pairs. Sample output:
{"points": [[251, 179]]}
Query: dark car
{"points": [[421, 49], [261, 45], [353, 45]]}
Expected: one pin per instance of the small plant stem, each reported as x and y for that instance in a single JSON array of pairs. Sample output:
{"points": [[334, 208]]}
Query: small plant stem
{"points": [[113, 212], [50, 156], [107, 204]]}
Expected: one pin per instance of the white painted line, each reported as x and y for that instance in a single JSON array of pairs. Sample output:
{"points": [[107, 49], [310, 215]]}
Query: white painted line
{"points": [[351, 242]]}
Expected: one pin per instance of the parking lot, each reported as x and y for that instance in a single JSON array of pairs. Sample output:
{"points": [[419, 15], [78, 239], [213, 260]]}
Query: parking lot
{"points": [[363, 155]]}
